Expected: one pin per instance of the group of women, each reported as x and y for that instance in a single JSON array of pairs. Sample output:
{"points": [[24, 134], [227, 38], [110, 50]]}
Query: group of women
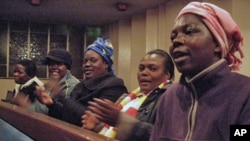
{"points": [[208, 98]]}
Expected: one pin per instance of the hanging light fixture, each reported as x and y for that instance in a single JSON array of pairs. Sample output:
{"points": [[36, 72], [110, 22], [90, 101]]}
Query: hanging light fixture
{"points": [[121, 6], [36, 2]]}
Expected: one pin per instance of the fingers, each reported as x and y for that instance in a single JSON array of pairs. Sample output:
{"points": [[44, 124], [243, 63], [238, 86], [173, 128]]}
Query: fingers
{"points": [[95, 108], [43, 96], [84, 119], [88, 115], [109, 102], [100, 107], [39, 90], [105, 110], [89, 120], [105, 104]]}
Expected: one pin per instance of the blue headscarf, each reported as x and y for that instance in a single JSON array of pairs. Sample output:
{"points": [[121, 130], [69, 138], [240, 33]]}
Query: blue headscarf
{"points": [[104, 48]]}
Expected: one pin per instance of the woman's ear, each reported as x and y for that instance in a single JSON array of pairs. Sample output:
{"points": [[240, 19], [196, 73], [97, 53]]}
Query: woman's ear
{"points": [[105, 64], [167, 76], [217, 49]]}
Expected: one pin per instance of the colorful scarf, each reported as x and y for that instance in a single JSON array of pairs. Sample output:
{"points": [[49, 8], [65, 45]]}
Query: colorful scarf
{"points": [[130, 105]]}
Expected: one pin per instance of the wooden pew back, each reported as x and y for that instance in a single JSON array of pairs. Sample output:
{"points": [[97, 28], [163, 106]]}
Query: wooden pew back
{"points": [[42, 127]]}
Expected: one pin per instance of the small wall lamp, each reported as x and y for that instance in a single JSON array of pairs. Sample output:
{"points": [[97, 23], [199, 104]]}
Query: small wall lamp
{"points": [[36, 2], [121, 6]]}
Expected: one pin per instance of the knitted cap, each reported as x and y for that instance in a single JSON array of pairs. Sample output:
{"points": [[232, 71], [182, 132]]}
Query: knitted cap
{"points": [[59, 55]]}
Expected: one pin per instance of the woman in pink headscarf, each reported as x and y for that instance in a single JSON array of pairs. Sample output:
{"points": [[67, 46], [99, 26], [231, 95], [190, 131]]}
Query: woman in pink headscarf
{"points": [[209, 97]]}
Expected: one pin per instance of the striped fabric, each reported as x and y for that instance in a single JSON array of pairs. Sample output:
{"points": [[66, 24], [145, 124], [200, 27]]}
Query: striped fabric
{"points": [[129, 105]]}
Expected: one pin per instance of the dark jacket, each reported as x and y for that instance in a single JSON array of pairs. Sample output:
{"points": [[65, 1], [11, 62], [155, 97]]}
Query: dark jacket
{"points": [[70, 110], [204, 107]]}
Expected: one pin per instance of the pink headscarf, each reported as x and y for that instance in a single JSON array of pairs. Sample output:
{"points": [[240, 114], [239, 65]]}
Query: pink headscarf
{"points": [[223, 28]]}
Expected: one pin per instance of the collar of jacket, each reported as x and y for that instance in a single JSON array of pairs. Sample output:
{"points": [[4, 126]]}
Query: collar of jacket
{"points": [[209, 77], [28, 83], [204, 72], [98, 81]]}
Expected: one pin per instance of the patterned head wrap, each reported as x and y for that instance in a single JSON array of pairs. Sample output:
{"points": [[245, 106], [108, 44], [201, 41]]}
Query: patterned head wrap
{"points": [[104, 48], [223, 28]]}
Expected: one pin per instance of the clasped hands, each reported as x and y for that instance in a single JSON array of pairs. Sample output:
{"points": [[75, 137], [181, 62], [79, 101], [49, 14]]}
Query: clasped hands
{"points": [[100, 111]]}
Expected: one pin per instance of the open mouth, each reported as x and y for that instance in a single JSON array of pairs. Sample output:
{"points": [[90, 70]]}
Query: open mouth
{"points": [[145, 82], [180, 56], [87, 72], [54, 73]]}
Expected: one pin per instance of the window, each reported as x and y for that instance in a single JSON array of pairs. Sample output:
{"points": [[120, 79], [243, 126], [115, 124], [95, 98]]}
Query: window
{"points": [[33, 41], [3, 48]]}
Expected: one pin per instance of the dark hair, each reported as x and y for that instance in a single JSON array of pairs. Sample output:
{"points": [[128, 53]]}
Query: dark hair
{"points": [[169, 65], [30, 67]]}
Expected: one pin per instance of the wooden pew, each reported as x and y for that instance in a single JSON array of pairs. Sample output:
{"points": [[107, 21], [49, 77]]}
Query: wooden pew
{"points": [[44, 128]]}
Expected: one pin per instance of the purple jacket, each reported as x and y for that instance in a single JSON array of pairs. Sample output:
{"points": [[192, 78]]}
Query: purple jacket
{"points": [[203, 108]]}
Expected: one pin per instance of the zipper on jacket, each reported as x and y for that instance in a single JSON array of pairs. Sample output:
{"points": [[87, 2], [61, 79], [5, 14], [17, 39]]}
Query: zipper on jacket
{"points": [[192, 114]]}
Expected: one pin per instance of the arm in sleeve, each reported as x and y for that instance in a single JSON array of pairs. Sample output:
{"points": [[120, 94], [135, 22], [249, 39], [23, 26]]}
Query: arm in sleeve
{"points": [[131, 129], [112, 93], [73, 110], [156, 130]]}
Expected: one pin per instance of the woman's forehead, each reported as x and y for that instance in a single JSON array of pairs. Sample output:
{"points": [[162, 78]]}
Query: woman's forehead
{"points": [[91, 53], [20, 66], [188, 19], [153, 58]]}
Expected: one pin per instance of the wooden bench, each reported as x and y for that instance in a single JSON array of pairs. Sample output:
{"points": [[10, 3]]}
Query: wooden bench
{"points": [[44, 128]]}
